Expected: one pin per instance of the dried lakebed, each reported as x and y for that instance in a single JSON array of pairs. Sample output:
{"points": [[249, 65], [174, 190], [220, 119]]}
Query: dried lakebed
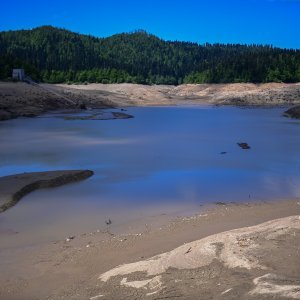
{"points": [[185, 259]]}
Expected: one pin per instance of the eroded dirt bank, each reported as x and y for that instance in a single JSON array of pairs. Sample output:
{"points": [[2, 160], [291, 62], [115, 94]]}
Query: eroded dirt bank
{"points": [[21, 99], [222, 94]]}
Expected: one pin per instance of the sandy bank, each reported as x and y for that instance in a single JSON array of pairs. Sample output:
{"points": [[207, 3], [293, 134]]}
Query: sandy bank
{"points": [[260, 262], [14, 187], [21, 99], [245, 263], [29, 100]]}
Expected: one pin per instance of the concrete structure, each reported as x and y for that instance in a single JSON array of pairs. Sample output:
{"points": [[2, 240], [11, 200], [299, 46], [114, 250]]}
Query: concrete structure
{"points": [[18, 74]]}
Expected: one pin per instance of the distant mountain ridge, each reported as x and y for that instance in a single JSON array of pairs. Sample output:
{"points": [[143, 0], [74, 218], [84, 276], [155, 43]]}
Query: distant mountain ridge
{"points": [[57, 55]]}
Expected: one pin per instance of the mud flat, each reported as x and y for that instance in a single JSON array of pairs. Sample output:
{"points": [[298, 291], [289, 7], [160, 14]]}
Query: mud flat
{"points": [[233, 251], [14, 187]]}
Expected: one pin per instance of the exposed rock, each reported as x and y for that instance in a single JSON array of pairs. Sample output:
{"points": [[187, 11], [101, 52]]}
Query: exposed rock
{"points": [[68, 239], [5, 115], [82, 106]]}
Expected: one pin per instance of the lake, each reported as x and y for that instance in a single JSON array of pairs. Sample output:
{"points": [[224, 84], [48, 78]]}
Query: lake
{"points": [[164, 161]]}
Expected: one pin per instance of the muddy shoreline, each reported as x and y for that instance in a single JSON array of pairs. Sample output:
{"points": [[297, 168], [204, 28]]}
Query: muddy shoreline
{"points": [[72, 268], [30, 100]]}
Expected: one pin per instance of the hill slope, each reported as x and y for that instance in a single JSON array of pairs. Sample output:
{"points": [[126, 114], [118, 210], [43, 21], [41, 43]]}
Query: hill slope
{"points": [[57, 55]]}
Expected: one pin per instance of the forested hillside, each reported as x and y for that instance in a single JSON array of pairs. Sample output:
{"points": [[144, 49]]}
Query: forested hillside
{"points": [[56, 55]]}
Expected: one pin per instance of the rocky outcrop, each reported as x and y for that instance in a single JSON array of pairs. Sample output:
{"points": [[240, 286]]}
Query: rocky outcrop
{"points": [[14, 187]]}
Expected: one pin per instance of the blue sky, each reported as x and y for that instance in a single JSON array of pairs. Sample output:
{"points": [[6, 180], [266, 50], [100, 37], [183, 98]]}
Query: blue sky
{"points": [[275, 22]]}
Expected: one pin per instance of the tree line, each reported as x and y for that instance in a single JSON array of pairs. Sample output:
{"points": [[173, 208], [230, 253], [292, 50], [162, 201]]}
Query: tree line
{"points": [[56, 55]]}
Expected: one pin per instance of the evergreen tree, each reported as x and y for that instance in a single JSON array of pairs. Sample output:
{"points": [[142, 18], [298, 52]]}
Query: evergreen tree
{"points": [[56, 55]]}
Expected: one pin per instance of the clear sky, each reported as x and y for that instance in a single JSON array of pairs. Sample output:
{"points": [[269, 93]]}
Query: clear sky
{"points": [[275, 22]]}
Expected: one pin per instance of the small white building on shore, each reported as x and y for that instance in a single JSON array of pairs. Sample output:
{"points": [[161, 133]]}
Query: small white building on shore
{"points": [[18, 74]]}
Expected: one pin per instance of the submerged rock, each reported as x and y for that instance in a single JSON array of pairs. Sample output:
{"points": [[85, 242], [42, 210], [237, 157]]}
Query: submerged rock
{"points": [[119, 115], [293, 112], [244, 146], [100, 116]]}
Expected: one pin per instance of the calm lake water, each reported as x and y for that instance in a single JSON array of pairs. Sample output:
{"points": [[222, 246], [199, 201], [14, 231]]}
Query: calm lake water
{"points": [[167, 160]]}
